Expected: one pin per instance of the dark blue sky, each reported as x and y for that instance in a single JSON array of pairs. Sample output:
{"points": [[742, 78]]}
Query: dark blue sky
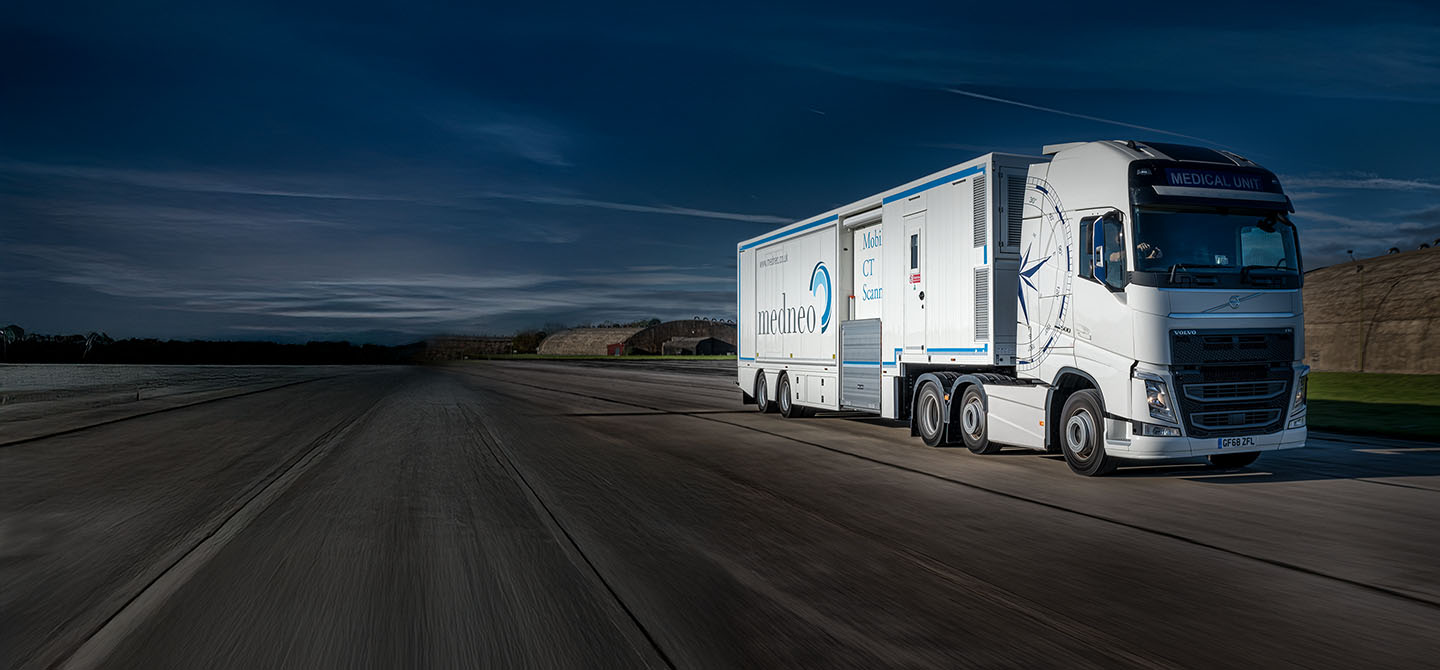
{"points": [[381, 171]]}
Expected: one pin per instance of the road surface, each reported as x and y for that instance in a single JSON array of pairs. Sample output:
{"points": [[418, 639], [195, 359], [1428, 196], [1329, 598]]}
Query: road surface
{"points": [[535, 514]]}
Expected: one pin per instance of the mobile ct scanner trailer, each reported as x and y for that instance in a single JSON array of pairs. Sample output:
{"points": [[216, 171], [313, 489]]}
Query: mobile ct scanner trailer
{"points": [[970, 303]]}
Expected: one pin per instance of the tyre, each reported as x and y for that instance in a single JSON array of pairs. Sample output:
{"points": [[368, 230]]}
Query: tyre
{"points": [[762, 401], [788, 408], [1082, 435], [974, 427], [1233, 461], [930, 414]]}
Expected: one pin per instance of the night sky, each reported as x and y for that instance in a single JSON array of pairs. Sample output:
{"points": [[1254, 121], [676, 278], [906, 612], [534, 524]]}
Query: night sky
{"points": [[380, 172]]}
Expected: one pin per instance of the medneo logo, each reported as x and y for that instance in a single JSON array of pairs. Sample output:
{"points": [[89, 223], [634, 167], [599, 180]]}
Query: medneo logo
{"points": [[787, 319], [816, 276]]}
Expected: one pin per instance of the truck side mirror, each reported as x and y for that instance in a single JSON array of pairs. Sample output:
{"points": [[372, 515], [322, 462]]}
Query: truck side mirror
{"points": [[1097, 244]]}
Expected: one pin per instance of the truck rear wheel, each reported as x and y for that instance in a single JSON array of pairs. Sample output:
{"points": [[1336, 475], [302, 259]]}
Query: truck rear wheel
{"points": [[788, 408], [762, 400], [1233, 461], [1082, 435], [930, 414], [974, 427]]}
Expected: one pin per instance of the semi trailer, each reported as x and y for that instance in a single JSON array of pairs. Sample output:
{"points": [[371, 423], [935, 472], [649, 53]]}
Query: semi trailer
{"points": [[1113, 301]]}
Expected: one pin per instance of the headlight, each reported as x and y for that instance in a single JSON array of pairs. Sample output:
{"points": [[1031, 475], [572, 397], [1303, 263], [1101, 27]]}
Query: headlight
{"points": [[1158, 397], [1301, 389]]}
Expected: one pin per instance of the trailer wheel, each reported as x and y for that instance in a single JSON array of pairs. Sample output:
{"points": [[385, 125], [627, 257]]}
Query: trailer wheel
{"points": [[1082, 435], [1233, 461], [930, 414], [788, 409], [974, 426], [762, 400]]}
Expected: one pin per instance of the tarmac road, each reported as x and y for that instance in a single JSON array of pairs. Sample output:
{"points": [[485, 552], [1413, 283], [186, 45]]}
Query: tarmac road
{"points": [[509, 514]]}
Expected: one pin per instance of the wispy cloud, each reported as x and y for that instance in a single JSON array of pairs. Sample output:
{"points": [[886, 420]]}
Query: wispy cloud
{"points": [[1375, 60], [415, 303], [1367, 182], [568, 201], [1328, 237], [1087, 117], [261, 186], [1431, 215], [197, 181], [534, 142]]}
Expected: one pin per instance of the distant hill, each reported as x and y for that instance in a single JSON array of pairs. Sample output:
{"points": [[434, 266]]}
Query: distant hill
{"points": [[1375, 315]]}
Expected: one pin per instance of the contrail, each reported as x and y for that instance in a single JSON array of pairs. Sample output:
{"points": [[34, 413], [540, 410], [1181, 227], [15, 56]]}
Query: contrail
{"points": [[1087, 117]]}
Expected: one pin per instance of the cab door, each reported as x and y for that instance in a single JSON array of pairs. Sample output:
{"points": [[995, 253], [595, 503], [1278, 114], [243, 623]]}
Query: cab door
{"points": [[1104, 333]]}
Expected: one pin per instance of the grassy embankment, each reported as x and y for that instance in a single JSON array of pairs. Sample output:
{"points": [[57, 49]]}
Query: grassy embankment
{"points": [[1376, 404]]}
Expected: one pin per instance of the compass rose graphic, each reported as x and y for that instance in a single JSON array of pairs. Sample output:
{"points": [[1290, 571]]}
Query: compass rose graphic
{"points": [[1026, 272], [1046, 267]]}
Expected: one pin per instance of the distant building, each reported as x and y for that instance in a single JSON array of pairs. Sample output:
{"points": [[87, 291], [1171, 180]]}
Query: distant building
{"points": [[696, 346], [586, 341], [457, 347], [636, 340], [652, 339]]}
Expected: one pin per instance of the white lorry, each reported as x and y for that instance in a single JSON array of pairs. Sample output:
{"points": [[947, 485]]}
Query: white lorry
{"points": [[1112, 301]]}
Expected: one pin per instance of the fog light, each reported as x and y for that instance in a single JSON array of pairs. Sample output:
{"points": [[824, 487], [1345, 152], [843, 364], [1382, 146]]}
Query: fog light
{"points": [[1152, 430], [1297, 422]]}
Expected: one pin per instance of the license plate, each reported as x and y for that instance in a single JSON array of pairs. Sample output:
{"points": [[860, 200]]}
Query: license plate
{"points": [[1233, 442]]}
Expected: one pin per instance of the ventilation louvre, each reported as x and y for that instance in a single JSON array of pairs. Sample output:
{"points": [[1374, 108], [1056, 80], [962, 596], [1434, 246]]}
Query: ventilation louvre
{"points": [[1014, 210], [982, 305], [980, 217]]}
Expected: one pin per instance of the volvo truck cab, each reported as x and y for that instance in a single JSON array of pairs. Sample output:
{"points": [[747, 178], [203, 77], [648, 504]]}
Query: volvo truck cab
{"points": [[1184, 311]]}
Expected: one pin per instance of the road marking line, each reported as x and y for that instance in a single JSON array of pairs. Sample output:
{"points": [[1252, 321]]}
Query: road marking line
{"points": [[645, 645], [94, 651], [106, 422]]}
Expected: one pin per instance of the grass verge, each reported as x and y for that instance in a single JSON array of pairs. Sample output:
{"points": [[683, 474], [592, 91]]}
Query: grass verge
{"points": [[1372, 403]]}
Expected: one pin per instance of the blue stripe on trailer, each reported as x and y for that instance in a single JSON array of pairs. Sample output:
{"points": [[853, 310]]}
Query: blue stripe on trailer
{"points": [[933, 183], [962, 350], [829, 219]]}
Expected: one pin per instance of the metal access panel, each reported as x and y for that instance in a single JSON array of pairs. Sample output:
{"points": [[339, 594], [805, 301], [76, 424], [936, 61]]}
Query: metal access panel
{"points": [[860, 364]]}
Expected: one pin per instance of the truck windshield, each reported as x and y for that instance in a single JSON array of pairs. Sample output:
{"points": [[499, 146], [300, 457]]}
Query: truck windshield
{"points": [[1212, 242]]}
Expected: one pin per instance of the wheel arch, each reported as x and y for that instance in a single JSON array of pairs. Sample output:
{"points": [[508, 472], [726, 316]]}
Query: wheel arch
{"points": [[1067, 381], [945, 381], [762, 373]]}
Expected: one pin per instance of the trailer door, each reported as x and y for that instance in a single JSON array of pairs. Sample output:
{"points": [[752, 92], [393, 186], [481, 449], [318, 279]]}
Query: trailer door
{"points": [[915, 282]]}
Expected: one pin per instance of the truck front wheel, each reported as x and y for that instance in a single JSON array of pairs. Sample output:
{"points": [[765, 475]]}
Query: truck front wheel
{"points": [[973, 425], [1082, 435], [762, 400]]}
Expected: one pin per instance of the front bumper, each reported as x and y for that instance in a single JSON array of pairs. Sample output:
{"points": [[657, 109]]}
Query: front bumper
{"points": [[1141, 447]]}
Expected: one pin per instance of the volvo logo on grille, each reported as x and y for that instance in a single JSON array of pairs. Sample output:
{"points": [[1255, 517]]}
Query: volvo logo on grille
{"points": [[1232, 303]]}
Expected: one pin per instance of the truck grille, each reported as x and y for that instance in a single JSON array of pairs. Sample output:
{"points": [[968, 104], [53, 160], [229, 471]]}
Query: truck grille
{"points": [[1255, 418], [1232, 383], [1192, 347], [1213, 403], [1203, 392]]}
